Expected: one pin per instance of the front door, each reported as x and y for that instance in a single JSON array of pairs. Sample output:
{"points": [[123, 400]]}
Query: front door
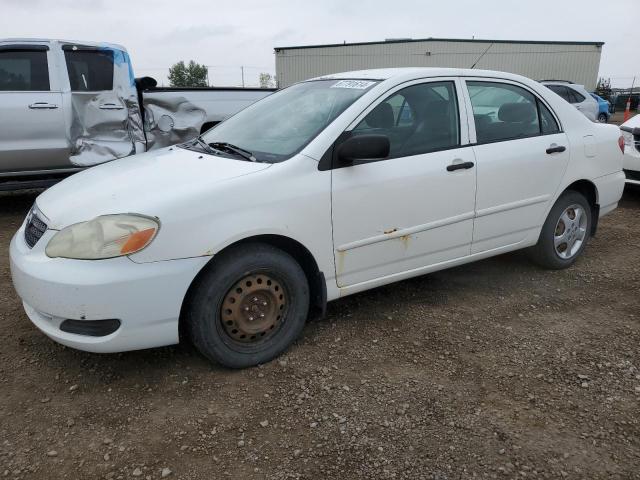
{"points": [[415, 208], [521, 156], [32, 125]]}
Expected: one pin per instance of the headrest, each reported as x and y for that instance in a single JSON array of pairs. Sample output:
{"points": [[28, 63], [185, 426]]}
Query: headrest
{"points": [[436, 109], [524, 112], [381, 116]]}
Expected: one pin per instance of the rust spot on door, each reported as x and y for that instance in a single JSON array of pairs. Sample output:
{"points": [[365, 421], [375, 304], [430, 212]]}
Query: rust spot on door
{"points": [[340, 262]]}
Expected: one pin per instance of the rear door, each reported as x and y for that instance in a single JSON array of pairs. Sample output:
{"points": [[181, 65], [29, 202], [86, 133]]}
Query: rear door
{"points": [[32, 125], [105, 117], [522, 154]]}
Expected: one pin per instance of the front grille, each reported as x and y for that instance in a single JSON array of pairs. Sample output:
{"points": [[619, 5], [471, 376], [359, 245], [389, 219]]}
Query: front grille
{"points": [[35, 229]]}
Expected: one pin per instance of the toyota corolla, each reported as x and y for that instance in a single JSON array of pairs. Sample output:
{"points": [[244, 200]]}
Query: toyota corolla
{"points": [[326, 188]]}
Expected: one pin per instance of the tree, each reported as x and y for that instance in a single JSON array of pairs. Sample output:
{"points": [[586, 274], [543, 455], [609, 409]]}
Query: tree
{"points": [[267, 80], [191, 75], [603, 88]]}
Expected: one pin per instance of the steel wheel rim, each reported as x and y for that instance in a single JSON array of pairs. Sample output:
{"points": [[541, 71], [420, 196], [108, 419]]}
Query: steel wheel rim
{"points": [[570, 231], [253, 309]]}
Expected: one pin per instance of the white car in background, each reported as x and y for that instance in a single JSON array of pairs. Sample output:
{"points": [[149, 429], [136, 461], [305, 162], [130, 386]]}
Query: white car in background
{"points": [[631, 135], [327, 188], [576, 95]]}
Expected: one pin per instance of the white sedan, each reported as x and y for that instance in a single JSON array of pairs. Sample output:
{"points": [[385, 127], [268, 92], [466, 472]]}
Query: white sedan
{"points": [[631, 134], [327, 188]]}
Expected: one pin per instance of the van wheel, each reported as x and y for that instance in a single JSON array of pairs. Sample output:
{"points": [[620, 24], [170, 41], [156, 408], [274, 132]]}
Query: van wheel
{"points": [[565, 232], [248, 306]]}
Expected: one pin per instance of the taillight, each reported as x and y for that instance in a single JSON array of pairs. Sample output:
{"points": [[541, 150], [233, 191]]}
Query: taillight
{"points": [[621, 143]]}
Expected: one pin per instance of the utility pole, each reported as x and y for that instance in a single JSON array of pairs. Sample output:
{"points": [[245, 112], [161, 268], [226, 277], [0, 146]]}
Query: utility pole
{"points": [[242, 72]]}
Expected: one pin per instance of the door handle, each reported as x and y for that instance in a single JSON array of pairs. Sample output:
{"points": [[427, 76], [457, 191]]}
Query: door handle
{"points": [[459, 166], [43, 106], [111, 106], [553, 148]]}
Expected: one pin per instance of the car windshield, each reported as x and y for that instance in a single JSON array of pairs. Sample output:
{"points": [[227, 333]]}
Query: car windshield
{"points": [[282, 124]]}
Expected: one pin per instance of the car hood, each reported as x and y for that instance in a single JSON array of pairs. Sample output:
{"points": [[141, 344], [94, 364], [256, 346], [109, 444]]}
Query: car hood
{"points": [[138, 184]]}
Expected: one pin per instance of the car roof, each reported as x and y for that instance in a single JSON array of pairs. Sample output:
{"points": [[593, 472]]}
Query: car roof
{"points": [[564, 83], [410, 73], [64, 42]]}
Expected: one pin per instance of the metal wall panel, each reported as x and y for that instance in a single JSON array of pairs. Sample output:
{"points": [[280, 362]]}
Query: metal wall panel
{"points": [[577, 62]]}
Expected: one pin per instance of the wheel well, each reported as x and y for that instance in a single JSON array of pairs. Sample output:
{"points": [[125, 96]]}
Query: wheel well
{"points": [[317, 285], [590, 192]]}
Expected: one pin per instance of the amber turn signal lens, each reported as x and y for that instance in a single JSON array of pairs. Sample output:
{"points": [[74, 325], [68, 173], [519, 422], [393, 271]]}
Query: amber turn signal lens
{"points": [[137, 241]]}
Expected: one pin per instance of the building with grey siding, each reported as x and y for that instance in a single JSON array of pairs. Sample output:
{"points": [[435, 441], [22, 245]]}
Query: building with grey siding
{"points": [[540, 60]]}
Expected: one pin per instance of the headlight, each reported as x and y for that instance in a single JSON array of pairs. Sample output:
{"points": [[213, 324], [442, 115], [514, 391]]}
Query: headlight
{"points": [[107, 236], [628, 138]]}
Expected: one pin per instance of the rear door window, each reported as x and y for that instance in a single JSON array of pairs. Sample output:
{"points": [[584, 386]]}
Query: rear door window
{"points": [[24, 70], [548, 124], [503, 111], [89, 70]]}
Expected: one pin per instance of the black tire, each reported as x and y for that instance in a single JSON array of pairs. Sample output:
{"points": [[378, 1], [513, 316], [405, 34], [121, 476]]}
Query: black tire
{"points": [[204, 316], [544, 252], [603, 118]]}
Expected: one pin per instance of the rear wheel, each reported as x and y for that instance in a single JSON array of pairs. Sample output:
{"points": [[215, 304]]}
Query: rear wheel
{"points": [[603, 118], [248, 307], [565, 232]]}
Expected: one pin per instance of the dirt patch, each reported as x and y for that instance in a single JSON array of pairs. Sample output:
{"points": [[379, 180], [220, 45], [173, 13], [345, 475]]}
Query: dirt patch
{"points": [[496, 369]]}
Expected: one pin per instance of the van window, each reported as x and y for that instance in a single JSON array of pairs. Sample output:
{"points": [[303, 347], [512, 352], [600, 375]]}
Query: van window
{"points": [[576, 97], [89, 70], [562, 91], [418, 119], [503, 111], [24, 70]]}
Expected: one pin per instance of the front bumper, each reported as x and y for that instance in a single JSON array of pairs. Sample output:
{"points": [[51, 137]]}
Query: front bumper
{"points": [[145, 297]]}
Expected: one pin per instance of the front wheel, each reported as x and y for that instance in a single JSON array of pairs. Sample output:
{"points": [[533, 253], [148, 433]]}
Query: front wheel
{"points": [[603, 118], [248, 306], [565, 232]]}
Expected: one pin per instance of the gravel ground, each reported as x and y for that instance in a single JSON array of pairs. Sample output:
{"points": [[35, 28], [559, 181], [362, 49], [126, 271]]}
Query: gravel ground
{"points": [[496, 369]]}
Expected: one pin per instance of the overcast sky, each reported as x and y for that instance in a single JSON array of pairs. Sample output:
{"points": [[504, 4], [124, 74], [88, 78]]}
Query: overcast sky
{"points": [[226, 35]]}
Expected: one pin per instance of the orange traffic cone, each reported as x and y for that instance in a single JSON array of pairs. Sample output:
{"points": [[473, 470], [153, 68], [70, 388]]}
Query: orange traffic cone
{"points": [[627, 110]]}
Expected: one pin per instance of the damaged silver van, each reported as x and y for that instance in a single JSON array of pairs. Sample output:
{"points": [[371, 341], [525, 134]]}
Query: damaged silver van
{"points": [[67, 105]]}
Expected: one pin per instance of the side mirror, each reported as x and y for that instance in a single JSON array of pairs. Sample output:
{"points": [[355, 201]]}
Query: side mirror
{"points": [[146, 83], [363, 148]]}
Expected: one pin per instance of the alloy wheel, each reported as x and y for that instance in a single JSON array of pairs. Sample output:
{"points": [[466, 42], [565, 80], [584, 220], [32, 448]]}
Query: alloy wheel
{"points": [[570, 231]]}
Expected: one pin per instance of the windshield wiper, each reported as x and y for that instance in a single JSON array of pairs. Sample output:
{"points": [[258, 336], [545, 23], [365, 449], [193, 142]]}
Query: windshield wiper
{"points": [[205, 146], [232, 148]]}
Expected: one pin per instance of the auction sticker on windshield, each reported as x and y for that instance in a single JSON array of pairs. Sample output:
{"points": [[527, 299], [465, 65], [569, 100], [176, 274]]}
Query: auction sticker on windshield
{"points": [[357, 84]]}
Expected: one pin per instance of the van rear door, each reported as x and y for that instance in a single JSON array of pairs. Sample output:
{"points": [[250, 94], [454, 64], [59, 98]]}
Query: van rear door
{"points": [[105, 116]]}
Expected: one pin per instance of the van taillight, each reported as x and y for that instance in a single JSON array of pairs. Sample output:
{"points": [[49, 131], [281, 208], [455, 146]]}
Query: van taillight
{"points": [[621, 143]]}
